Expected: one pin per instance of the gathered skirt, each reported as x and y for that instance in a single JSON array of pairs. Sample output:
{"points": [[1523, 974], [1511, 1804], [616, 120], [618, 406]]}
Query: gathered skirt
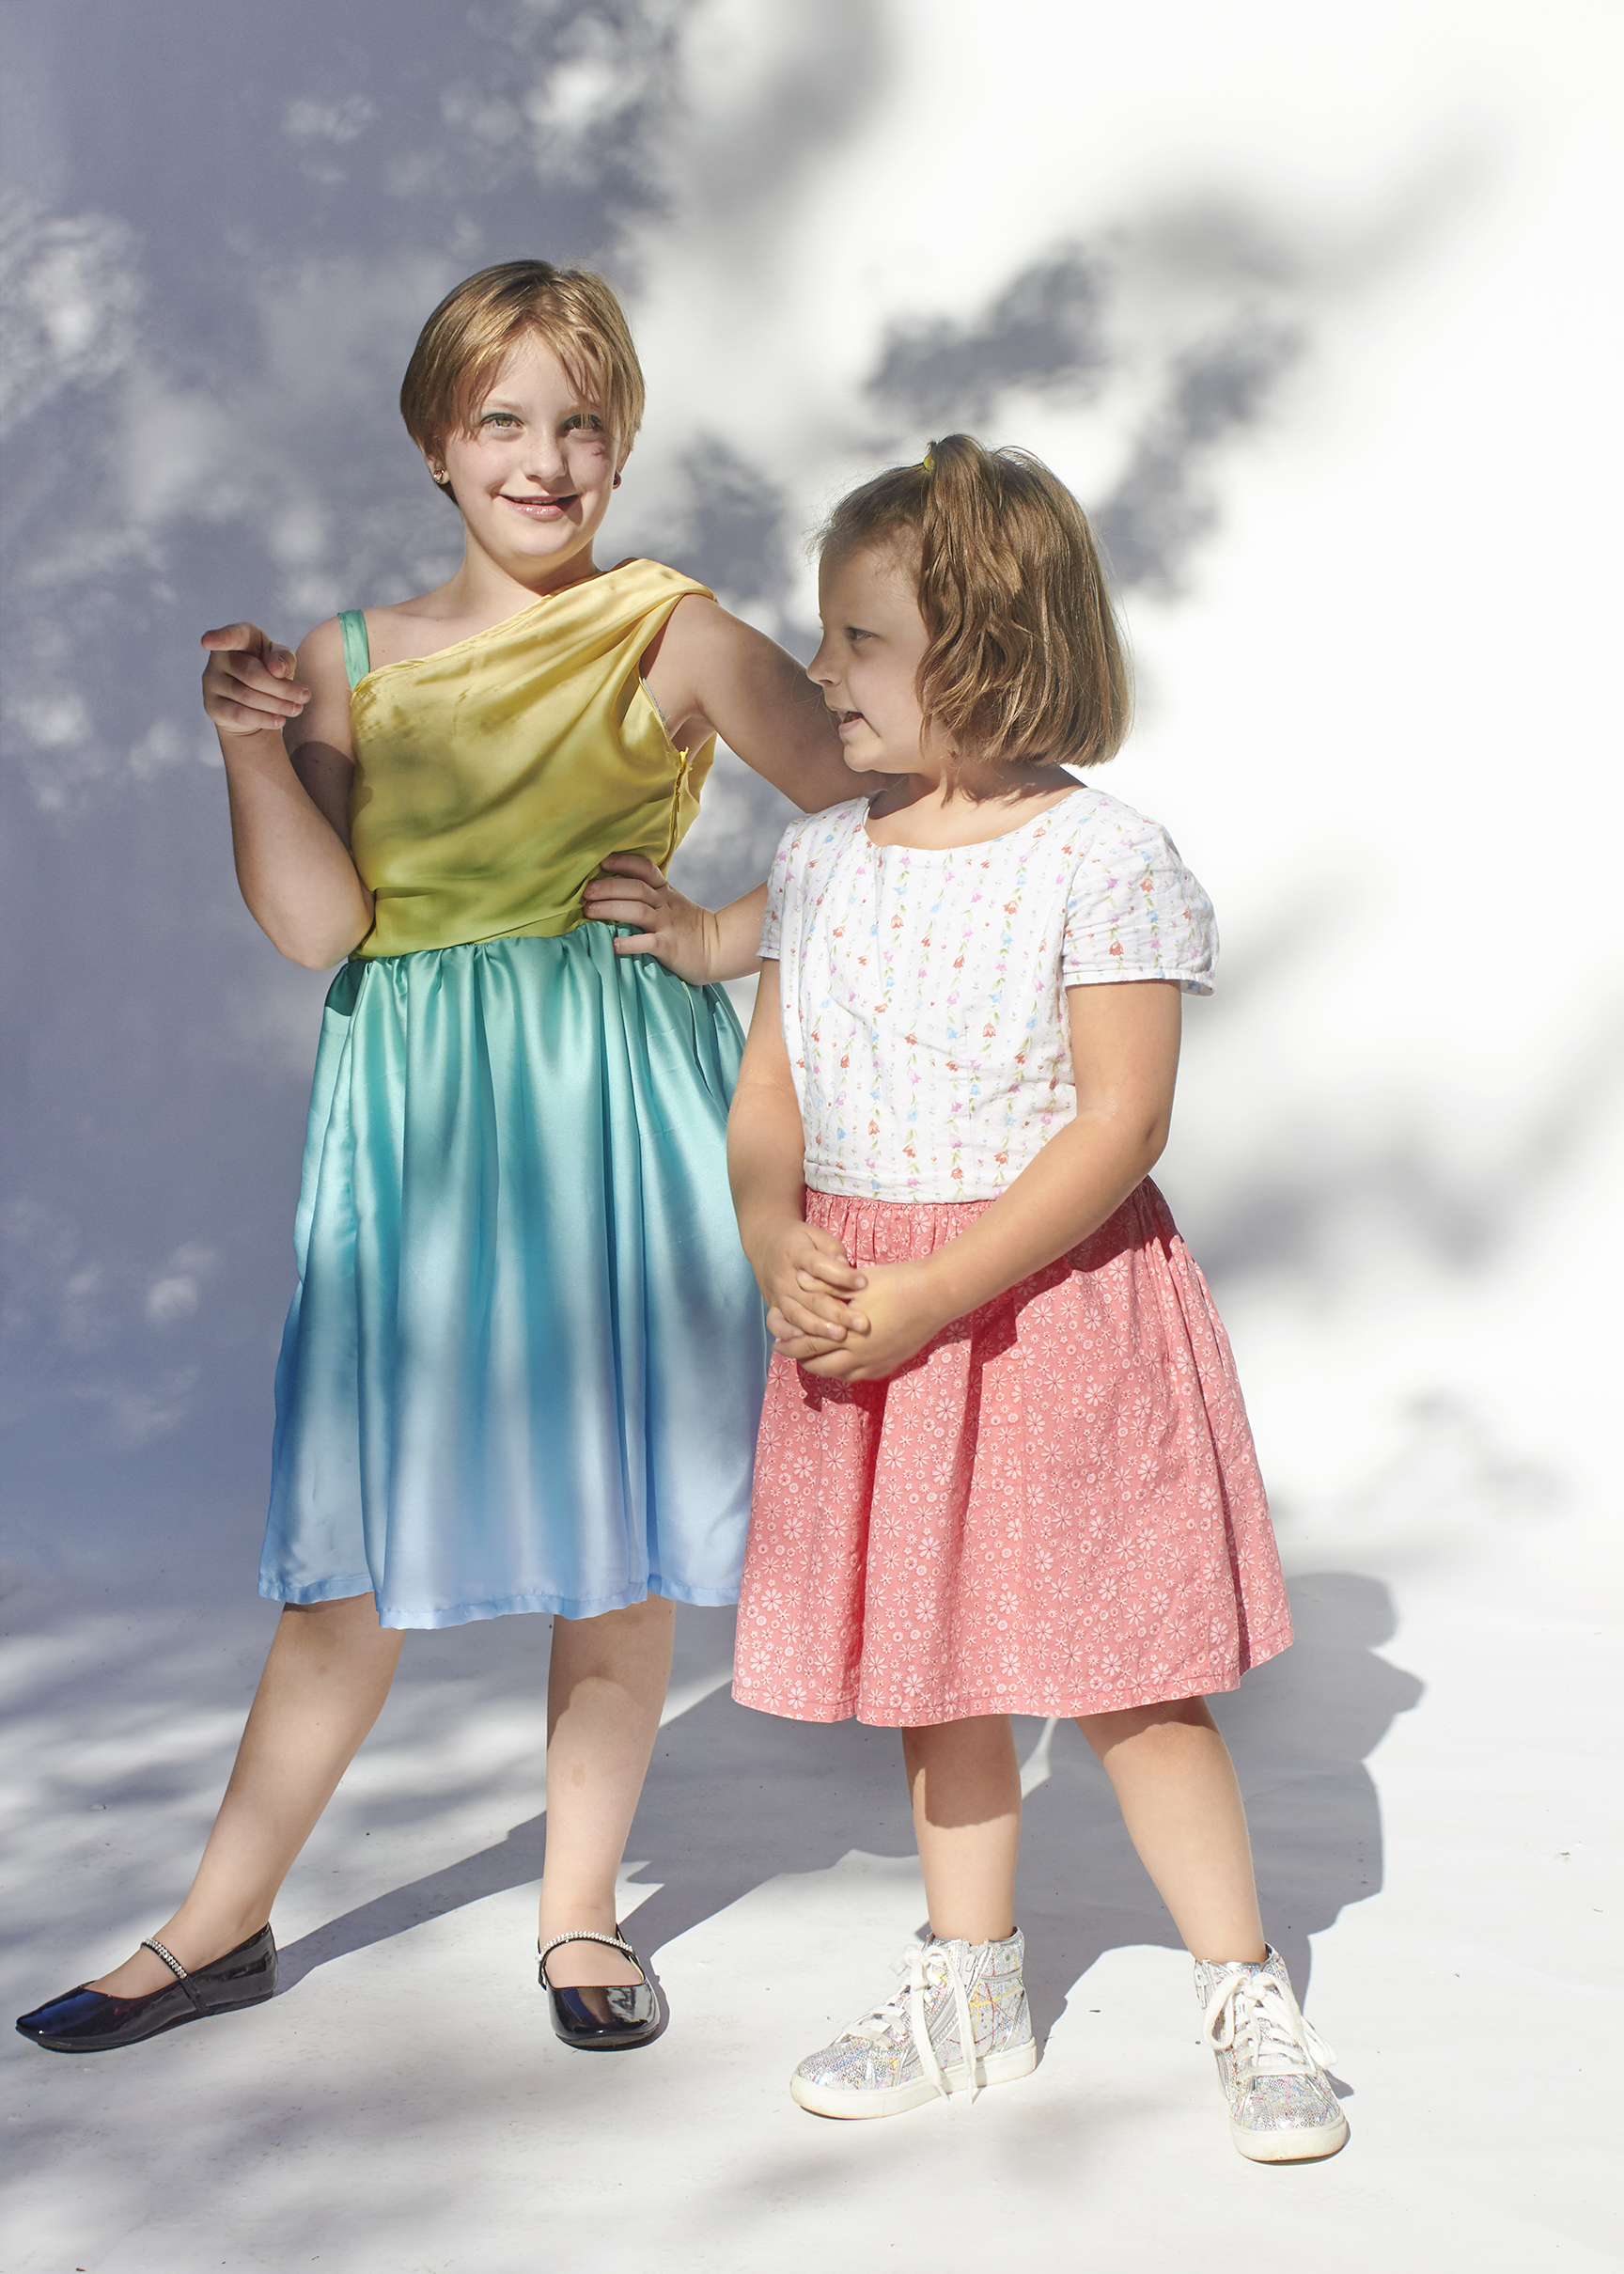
{"points": [[523, 1367], [1054, 1508]]}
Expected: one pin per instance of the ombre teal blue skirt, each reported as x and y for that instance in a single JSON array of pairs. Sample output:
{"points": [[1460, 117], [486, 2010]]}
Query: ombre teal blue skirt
{"points": [[525, 1365]]}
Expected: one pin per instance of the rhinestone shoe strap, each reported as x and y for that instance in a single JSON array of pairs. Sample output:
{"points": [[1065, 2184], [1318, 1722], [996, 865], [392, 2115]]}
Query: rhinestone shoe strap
{"points": [[610, 1943], [182, 1977]]}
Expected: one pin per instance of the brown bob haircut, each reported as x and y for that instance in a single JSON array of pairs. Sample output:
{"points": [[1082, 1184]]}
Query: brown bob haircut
{"points": [[462, 346], [1027, 663]]}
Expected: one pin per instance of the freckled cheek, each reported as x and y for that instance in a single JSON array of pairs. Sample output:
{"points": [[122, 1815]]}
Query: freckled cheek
{"points": [[480, 469]]}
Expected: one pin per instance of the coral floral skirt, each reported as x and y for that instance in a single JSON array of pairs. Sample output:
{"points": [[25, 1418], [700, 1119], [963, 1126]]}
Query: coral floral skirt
{"points": [[1055, 1508]]}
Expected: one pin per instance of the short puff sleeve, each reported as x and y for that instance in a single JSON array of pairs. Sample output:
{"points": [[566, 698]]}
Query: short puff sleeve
{"points": [[1134, 912], [777, 885]]}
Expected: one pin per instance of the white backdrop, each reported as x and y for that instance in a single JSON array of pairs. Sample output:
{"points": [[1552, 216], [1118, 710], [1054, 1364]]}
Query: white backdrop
{"points": [[1309, 304]]}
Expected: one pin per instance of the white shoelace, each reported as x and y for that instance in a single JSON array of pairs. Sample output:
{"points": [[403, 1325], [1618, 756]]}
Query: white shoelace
{"points": [[1255, 2016], [908, 2003]]}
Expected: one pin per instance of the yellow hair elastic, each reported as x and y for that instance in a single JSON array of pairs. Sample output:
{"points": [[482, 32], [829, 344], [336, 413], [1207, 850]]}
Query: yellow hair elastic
{"points": [[928, 460]]}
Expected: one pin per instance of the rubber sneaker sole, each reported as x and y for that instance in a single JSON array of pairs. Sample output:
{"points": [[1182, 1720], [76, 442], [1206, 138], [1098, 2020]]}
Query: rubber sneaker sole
{"points": [[1288, 2146], [894, 2100]]}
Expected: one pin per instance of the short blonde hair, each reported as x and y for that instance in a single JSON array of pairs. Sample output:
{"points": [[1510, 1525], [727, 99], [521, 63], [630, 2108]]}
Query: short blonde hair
{"points": [[462, 346], [1026, 662]]}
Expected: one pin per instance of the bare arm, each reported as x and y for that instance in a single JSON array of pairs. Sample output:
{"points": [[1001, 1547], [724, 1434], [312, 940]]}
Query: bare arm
{"points": [[711, 674], [795, 1263], [1125, 1050], [287, 767]]}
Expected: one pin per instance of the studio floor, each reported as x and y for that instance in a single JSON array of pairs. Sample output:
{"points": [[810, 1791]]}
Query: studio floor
{"points": [[1425, 1773]]}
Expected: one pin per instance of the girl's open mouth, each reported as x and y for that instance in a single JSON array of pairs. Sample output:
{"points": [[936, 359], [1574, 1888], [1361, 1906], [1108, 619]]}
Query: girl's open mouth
{"points": [[539, 509]]}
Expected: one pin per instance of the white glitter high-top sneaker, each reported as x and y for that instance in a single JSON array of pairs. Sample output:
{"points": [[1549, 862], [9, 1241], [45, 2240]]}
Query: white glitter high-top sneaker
{"points": [[1270, 2063], [913, 2048]]}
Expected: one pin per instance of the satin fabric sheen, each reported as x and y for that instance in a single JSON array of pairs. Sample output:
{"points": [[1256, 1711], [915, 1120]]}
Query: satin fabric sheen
{"points": [[490, 778], [527, 1360]]}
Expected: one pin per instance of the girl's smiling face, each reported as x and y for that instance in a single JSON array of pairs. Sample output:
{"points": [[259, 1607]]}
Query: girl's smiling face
{"points": [[533, 475], [874, 642]]}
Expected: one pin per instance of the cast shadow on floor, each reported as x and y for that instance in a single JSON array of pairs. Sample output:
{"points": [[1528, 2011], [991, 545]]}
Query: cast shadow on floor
{"points": [[735, 1798]]}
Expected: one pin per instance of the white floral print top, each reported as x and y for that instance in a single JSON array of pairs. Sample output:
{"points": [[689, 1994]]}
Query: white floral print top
{"points": [[923, 992]]}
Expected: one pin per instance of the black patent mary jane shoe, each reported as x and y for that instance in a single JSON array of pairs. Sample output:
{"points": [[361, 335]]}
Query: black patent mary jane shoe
{"points": [[605, 2020], [89, 2021]]}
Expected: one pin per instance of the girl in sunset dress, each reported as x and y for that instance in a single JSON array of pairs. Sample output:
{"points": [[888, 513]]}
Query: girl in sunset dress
{"points": [[524, 1366]]}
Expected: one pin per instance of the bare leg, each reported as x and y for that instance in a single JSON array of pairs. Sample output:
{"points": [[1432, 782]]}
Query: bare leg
{"points": [[1181, 1805], [966, 1794], [606, 1688], [324, 1683]]}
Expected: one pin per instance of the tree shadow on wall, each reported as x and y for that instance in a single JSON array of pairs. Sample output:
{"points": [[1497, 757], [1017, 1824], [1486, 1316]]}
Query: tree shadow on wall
{"points": [[735, 1798], [1174, 332], [1200, 307]]}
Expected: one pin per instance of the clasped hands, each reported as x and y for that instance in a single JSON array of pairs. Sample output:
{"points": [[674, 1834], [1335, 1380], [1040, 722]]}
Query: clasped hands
{"points": [[842, 1323]]}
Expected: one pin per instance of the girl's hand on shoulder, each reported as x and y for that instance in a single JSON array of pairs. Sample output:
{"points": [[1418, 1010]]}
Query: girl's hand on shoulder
{"points": [[807, 1279], [674, 931], [899, 1314], [249, 681]]}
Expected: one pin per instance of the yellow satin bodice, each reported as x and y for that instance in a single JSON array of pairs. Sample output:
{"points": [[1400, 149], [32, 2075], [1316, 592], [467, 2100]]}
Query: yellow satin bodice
{"points": [[491, 777]]}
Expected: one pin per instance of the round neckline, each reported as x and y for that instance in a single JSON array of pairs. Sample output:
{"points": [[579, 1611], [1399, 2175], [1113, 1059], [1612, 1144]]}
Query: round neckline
{"points": [[944, 852], [405, 663]]}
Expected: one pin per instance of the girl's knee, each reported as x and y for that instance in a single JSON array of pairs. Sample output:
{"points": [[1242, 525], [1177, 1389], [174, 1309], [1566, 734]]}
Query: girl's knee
{"points": [[340, 1612], [974, 1731], [1157, 1723], [651, 1614]]}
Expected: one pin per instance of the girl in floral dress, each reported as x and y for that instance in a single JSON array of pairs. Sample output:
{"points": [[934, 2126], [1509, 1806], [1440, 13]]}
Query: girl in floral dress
{"points": [[1005, 1466]]}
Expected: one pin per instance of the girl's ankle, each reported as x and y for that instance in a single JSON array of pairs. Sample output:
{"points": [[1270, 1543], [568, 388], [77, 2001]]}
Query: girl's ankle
{"points": [[195, 1943], [570, 1911]]}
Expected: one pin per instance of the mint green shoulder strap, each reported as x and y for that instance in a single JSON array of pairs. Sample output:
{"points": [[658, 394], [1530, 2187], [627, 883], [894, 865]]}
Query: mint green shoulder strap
{"points": [[357, 655]]}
